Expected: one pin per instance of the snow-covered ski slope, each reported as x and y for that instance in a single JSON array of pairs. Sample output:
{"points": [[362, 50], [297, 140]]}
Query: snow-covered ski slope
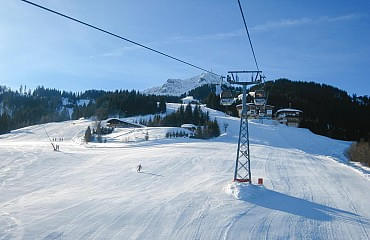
{"points": [[185, 190]]}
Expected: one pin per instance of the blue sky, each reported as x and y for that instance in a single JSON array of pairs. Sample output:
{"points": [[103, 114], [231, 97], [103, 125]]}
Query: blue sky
{"points": [[321, 41]]}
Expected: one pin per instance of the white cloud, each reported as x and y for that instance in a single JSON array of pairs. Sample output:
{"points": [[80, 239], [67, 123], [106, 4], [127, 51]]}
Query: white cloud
{"points": [[237, 33], [211, 36], [281, 24], [344, 17], [302, 21]]}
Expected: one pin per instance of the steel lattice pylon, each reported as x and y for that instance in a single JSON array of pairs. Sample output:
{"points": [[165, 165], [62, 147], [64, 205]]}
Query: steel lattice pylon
{"points": [[242, 167], [242, 171]]}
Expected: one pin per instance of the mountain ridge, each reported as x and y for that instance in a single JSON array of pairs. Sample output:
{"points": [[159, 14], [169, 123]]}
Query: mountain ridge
{"points": [[177, 87]]}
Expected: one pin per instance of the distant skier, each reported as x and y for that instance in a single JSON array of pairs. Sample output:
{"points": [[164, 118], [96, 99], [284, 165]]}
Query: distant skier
{"points": [[139, 167]]}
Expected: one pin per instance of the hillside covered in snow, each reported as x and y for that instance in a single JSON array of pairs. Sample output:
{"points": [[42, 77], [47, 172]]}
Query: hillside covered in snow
{"points": [[92, 191], [177, 87]]}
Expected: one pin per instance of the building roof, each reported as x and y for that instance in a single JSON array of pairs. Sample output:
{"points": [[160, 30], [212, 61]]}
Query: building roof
{"points": [[254, 105], [188, 125], [120, 121], [289, 110], [189, 98], [115, 121]]}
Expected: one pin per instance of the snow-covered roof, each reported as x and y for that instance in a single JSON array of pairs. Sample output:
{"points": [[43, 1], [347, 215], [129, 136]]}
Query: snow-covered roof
{"points": [[112, 120], [189, 99], [239, 106], [240, 96], [288, 110], [253, 105], [121, 121], [188, 125]]}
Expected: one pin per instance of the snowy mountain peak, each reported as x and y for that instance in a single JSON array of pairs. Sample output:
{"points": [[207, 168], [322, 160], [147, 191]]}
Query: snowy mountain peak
{"points": [[177, 87]]}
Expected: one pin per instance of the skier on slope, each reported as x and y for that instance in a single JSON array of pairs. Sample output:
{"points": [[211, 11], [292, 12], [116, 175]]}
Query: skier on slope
{"points": [[138, 169]]}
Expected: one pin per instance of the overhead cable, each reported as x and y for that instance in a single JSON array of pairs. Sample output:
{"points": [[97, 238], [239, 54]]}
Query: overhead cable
{"points": [[246, 28], [118, 36]]}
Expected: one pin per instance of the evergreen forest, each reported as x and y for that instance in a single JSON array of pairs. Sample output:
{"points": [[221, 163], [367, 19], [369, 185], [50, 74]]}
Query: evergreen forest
{"points": [[327, 110], [25, 107], [206, 128]]}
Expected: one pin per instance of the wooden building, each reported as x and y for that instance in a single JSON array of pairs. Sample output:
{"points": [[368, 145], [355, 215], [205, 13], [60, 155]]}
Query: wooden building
{"points": [[257, 111], [189, 99], [118, 123], [289, 116], [189, 126]]}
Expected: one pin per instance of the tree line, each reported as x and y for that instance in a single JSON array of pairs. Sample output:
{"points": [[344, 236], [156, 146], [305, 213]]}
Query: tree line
{"points": [[327, 110], [25, 107], [206, 128], [122, 103]]}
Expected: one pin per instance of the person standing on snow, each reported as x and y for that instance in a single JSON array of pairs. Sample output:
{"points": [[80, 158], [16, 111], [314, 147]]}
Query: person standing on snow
{"points": [[139, 167]]}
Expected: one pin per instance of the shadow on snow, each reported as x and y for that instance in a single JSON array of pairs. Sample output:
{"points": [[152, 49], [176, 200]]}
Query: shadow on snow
{"points": [[149, 173], [281, 202]]}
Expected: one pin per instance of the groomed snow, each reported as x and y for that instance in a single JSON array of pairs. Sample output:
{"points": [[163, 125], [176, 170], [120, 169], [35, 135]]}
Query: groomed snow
{"points": [[185, 190]]}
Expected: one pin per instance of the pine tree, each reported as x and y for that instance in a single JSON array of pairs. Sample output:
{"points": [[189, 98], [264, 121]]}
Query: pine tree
{"points": [[198, 132], [216, 129], [4, 123], [188, 115], [180, 118], [196, 115], [98, 128], [162, 106]]}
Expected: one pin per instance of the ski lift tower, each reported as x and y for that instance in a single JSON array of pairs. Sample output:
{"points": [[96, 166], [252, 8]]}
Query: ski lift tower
{"points": [[242, 165]]}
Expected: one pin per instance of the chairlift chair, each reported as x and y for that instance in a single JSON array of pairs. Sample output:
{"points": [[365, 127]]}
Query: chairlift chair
{"points": [[226, 95], [226, 98], [259, 97]]}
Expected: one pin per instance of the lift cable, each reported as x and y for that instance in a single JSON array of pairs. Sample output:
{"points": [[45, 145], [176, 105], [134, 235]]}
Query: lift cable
{"points": [[51, 142], [118, 36], [246, 28]]}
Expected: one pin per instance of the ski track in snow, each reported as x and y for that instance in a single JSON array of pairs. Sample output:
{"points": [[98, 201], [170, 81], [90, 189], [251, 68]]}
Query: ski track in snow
{"points": [[93, 191]]}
